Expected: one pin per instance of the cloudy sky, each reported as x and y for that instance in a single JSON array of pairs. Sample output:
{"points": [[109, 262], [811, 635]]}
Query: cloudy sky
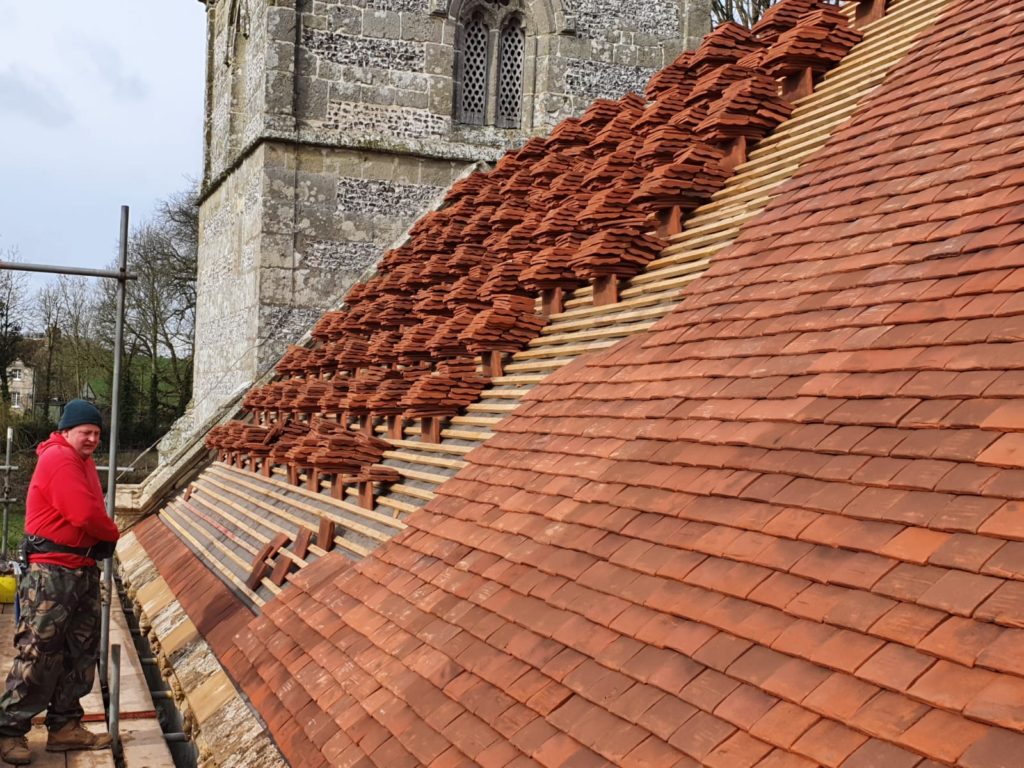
{"points": [[101, 104]]}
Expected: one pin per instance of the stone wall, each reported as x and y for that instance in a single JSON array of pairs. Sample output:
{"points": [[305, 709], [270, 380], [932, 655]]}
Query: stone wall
{"points": [[227, 299], [282, 240]]}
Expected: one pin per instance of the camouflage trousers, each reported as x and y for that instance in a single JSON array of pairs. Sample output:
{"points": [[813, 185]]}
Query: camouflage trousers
{"points": [[57, 640]]}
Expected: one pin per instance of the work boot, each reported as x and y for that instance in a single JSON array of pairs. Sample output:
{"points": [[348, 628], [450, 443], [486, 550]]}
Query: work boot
{"points": [[14, 750], [72, 735]]}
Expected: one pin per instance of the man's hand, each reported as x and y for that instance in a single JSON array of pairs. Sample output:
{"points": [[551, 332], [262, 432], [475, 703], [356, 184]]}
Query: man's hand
{"points": [[102, 550]]}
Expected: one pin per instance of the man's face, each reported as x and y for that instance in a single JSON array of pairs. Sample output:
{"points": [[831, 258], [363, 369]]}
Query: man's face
{"points": [[85, 438]]}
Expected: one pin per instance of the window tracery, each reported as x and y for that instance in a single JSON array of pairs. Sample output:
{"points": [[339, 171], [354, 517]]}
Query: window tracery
{"points": [[490, 64]]}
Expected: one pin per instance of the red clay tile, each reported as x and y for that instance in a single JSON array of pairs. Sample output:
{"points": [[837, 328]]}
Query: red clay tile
{"points": [[874, 753], [895, 666], [740, 749], [960, 639], [888, 714], [700, 735], [951, 685], [839, 696], [1000, 702], [1005, 606], [943, 735], [829, 743], [783, 724], [915, 545], [996, 749]]}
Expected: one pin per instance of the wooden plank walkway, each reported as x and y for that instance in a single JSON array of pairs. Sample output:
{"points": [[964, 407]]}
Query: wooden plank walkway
{"points": [[143, 742]]}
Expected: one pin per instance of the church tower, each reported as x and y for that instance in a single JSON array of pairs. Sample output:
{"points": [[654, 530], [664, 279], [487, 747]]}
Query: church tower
{"points": [[331, 125]]}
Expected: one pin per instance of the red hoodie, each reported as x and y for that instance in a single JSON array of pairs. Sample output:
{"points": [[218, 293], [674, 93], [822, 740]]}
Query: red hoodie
{"points": [[65, 503]]}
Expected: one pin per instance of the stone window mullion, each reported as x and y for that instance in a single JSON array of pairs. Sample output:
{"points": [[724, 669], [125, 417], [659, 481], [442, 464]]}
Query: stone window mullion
{"points": [[508, 89]]}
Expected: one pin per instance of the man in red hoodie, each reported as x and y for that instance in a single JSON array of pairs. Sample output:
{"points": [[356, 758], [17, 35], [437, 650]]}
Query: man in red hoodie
{"points": [[66, 531]]}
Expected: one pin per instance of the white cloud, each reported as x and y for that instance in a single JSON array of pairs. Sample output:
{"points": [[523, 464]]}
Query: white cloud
{"points": [[125, 86], [101, 105], [33, 97]]}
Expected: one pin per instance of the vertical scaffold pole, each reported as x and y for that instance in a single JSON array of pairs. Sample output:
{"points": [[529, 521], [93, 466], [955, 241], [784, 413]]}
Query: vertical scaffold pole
{"points": [[115, 407], [7, 493]]}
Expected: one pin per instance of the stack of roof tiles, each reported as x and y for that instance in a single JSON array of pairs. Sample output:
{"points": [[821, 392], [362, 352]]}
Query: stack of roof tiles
{"points": [[575, 206]]}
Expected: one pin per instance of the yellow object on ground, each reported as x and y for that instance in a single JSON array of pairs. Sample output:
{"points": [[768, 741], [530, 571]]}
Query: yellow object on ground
{"points": [[8, 586]]}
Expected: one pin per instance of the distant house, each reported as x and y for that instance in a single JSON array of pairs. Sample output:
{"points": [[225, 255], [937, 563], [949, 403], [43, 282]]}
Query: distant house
{"points": [[21, 381]]}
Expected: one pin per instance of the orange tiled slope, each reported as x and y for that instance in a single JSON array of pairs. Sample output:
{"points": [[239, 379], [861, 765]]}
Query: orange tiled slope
{"points": [[781, 529]]}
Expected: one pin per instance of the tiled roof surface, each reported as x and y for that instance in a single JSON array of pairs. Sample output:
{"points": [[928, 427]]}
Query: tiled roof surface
{"points": [[782, 529]]}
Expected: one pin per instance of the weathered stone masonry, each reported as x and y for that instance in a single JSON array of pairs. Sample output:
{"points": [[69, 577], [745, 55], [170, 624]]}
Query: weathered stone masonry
{"points": [[331, 126]]}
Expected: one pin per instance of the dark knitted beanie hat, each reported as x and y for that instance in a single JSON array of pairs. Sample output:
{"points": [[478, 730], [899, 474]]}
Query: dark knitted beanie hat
{"points": [[78, 412]]}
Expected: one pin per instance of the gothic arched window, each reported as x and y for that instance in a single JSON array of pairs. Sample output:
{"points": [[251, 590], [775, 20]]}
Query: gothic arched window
{"points": [[490, 63], [473, 107], [510, 74]]}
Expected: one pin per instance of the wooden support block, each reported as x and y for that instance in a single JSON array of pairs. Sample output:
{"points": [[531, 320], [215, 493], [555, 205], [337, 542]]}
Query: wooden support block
{"points": [[606, 290], [366, 498], [300, 546], [313, 480], [239, 462], [188, 491], [338, 487], [259, 568], [430, 431], [280, 572], [259, 563], [268, 467], [325, 535], [293, 474], [366, 424], [552, 301], [798, 85], [869, 11], [669, 221], [277, 543], [396, 426], [736, 151], [493, 364]]}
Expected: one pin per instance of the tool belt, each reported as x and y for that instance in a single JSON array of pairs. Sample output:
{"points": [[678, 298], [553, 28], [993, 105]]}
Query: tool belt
{"points": [[33, 544]]}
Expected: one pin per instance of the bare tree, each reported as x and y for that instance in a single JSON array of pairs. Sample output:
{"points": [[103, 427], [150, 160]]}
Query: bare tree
{"points": [[48, 317], [69, 356], [81, 356], [745, 12], [13, 314], [160, 310]]}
